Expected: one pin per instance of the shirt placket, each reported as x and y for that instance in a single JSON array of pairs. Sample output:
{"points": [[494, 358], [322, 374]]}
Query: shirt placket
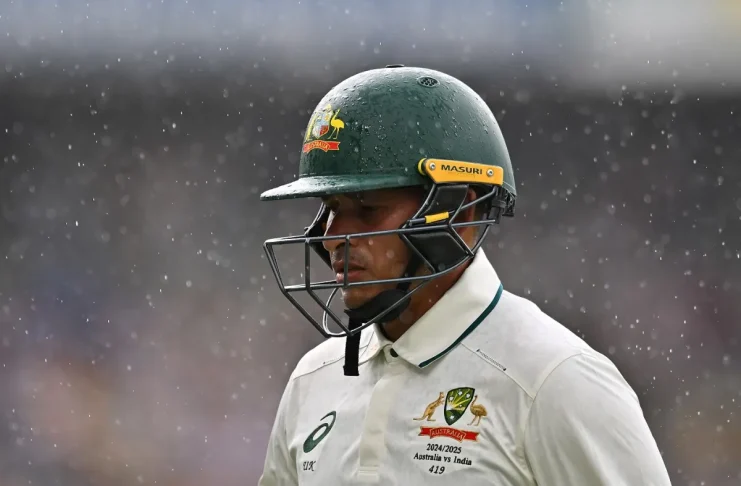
{"points": [[372, 450]]}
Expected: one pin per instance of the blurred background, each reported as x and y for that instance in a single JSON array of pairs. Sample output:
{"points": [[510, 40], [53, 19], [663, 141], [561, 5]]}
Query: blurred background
{"points": [[142, 336]]}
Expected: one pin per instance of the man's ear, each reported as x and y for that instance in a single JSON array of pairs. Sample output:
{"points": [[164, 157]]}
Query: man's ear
{"points": [[470, 213]]}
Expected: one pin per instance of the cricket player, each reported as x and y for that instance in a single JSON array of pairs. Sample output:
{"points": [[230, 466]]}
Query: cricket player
{"points": [[435, 374]]}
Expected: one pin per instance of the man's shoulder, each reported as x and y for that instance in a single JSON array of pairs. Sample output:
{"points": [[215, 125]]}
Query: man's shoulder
{"points": [[525, 342], [325, 354]]}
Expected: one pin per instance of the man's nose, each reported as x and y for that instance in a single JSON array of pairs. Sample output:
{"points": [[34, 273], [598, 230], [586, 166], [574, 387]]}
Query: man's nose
{"points": [[338, 225]]}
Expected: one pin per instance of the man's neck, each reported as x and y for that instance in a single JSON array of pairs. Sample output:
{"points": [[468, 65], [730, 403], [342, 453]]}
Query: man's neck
{"points": [[421, 302]]}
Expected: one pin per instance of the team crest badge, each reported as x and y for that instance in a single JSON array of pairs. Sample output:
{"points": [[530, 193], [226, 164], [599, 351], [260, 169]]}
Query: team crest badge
{"points": [[456, 403], [323, 129]]}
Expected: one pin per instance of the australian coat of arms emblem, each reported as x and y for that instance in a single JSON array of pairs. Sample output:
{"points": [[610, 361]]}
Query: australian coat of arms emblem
{"points": [[456, 402], [323, 129]]}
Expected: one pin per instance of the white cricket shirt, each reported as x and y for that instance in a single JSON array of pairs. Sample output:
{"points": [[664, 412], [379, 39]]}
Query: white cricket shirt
{"points": [[484, 389]]}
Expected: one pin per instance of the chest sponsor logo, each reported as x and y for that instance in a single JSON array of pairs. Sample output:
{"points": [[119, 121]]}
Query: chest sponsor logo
{"points": [[315, 437], [318, 434], [456, 404]]}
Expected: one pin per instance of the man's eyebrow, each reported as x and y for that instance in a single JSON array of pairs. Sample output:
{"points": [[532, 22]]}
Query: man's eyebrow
{"points": [[372, 197]]}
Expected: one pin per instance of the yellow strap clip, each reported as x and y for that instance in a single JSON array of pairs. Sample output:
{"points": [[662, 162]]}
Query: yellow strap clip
{"points": [[434, 218]]}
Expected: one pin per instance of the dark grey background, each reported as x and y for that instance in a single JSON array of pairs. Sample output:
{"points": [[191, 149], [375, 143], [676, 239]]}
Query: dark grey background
{"points": [[143, 338]]}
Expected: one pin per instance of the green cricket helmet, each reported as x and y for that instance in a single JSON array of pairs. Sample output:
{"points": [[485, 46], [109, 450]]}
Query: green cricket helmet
{"points": [[398, 127]]}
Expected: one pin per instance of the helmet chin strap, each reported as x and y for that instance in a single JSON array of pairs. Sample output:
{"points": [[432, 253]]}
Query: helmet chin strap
{"points": [[372, 308]]}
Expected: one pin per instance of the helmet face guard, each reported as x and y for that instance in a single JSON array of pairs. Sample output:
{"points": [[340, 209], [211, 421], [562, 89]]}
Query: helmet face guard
{"points": [[430, 235]]}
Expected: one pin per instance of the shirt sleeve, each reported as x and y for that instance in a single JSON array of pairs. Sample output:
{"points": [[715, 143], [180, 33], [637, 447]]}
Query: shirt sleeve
{"points": [[280, 467], [586, 428]]}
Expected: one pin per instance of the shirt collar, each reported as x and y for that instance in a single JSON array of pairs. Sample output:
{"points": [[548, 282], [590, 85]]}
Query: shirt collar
{"points": [[460, 310]]}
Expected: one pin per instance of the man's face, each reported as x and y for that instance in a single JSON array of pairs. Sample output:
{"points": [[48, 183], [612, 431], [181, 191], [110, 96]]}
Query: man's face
{"points": [[370, 258]]}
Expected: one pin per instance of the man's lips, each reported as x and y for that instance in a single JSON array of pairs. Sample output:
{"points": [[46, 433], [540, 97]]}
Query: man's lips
{"points": [[353, 271], [352, 275], [339, 266]]}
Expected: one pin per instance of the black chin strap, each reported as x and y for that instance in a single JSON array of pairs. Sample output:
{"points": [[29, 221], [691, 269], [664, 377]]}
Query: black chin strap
{"points": [[372, 308]]}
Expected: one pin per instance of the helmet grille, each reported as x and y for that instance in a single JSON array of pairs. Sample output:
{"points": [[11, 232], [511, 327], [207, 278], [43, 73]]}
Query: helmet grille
{"points": [[428, 81]]}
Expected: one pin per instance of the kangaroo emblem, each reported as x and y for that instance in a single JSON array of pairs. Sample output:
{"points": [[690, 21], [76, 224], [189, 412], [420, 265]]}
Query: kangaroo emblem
{"points": [[430, 410]]}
